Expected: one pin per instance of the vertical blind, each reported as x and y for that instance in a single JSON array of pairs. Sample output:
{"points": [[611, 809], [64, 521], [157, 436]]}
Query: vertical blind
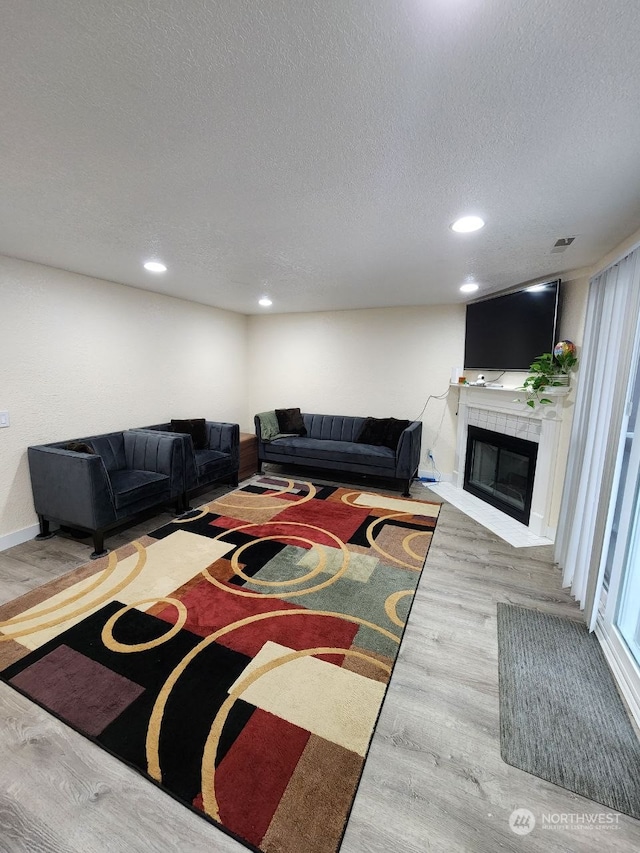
{"points": [[605, 364]]}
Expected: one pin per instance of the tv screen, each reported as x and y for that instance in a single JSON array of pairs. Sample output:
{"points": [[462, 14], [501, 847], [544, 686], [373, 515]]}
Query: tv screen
{"points": [[508, 332]]}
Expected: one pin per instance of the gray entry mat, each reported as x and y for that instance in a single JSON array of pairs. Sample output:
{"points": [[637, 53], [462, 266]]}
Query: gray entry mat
{"points": [[561, 717]]}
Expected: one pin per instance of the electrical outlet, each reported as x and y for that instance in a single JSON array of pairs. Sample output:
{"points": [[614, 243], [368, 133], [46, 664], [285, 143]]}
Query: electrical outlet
{"points": [[4, 419]]}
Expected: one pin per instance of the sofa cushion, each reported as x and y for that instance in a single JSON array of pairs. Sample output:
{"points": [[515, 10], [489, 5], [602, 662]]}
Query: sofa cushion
{"points": [[208, 461], [337, 451], [129, 487], [334, 427], [290, 422], [196, 428]]}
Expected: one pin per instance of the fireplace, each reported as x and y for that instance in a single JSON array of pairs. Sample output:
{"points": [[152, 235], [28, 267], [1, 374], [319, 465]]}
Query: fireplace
{"points": [[500, 470], [498, 410]]}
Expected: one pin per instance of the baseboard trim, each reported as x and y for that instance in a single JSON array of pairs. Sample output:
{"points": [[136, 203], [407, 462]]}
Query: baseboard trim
{"points": [[8, 540]]}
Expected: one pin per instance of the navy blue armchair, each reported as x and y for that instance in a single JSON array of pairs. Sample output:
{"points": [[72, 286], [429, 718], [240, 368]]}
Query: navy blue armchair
{"points": [[127, 473], [219, 460]]}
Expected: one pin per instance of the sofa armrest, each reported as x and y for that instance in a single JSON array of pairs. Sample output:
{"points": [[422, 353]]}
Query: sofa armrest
{"points": [[224, 437], [71, 488], [408, 451], [261, 444], [160, 452]]}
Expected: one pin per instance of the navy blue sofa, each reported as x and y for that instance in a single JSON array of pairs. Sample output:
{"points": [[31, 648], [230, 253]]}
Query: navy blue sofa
{"points": [[127, 473], [330, 443]]}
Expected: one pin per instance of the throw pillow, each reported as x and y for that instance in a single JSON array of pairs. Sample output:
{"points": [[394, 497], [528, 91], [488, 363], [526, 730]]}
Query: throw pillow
{"points": [[290, 422], [395, 428], [269, 427], [382, 432], [373, 432], [196, 428], [80, 447]]}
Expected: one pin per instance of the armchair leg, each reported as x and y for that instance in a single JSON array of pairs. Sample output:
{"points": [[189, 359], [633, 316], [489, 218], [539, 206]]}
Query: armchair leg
{"points": [[259, 466], [406, 485], [233, 479], [98, 545], [45, 533]]}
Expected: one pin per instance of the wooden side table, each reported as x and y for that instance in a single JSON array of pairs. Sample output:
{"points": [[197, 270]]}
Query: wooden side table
{"points": [[248, 455]]}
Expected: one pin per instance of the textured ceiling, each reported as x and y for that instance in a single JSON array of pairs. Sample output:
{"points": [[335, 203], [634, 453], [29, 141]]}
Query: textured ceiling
{"points": [[317, 150]]}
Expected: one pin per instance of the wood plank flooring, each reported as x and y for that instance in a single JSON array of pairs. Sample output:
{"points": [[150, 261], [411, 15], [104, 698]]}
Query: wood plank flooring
{"points": [[433, 781]]}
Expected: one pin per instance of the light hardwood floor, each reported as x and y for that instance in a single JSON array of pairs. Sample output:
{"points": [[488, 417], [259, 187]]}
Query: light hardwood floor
{"points": [[433, 780]]}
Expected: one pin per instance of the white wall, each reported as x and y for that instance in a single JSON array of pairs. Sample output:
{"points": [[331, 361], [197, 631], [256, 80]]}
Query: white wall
{"points": [[80, 356], [384, 362], [379, 362]]}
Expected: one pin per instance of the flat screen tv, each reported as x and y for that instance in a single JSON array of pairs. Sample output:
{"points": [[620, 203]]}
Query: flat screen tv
{"points": [[508, 332]]}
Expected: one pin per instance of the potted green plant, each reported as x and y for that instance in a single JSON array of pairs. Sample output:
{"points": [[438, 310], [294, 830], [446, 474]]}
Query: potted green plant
{"points": [[549, 370]]}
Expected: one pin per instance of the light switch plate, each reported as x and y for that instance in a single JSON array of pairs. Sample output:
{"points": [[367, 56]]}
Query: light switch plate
{"points": [[4, 419]]}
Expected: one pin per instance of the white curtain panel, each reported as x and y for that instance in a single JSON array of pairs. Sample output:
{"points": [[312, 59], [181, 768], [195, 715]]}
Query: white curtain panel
{"points": [[605, 363]]}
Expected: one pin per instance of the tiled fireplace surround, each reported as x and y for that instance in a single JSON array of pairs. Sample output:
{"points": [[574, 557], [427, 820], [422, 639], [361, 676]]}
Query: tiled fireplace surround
{"points": [[500, 410]]}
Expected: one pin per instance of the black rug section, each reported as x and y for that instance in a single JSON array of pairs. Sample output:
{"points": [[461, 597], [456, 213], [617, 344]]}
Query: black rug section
{"points": [[359, 536], [324, 492], [256, 490], [204, 526], [561, 717], [192, 705]]}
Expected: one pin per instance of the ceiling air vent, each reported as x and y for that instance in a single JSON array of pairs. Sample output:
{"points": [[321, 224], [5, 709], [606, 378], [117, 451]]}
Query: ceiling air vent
{"points": [[562, 244]]}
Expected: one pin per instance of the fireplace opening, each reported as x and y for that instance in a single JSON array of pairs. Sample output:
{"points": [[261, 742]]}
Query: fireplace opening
{"points": [[500, 469]]}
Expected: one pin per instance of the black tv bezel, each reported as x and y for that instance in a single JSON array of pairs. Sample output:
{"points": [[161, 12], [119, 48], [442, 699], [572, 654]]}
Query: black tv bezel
{"points": [[512, 291]]}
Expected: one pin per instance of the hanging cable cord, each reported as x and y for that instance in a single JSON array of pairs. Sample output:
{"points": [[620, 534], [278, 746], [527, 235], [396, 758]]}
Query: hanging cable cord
{"points": [[430, 456], [432, 397], [436, 470], [499, 376], [442, 396]]}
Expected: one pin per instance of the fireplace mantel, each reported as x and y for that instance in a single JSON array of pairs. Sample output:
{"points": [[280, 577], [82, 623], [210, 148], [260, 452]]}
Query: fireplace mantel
{"points": [[504, 410], [512, 400]]}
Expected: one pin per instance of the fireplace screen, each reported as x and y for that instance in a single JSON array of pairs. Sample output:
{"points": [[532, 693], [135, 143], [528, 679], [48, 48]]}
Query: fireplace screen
{"points": [[500, 470]]}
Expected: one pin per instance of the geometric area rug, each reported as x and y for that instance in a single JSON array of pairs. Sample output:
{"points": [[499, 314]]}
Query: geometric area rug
{"points": [[561, 716], [238, 657]]}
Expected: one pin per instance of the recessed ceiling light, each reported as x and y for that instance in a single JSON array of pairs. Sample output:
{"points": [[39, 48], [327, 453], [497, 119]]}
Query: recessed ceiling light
{"points": [[265, 302], [467, 224], [155, 266], [469, 288]]}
